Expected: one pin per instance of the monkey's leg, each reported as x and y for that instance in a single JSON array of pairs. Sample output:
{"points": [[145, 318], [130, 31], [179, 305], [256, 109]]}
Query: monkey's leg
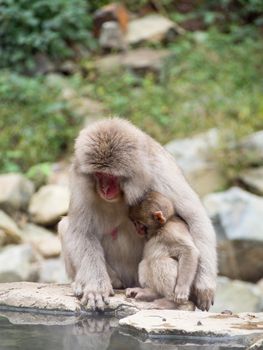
{"points": [[161, 277], [115, 281]]}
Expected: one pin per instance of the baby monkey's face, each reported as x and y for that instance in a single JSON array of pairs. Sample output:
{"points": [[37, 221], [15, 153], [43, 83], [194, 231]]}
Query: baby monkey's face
{"points": [[146, 219]]}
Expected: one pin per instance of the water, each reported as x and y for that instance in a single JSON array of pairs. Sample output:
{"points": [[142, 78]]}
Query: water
{"points": [[64, 332]]}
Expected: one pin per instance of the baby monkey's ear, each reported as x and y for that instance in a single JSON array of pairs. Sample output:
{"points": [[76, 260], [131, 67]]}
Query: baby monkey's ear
{"points": [[159, 217]]}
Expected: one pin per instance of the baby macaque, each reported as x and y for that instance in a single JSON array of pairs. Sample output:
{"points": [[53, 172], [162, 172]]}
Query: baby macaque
{"points": [[170, 257]]}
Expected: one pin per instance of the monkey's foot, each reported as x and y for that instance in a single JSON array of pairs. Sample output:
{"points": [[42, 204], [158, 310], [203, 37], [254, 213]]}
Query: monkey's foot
{"points": [[181, 294], [142, 294], [203, 298]]}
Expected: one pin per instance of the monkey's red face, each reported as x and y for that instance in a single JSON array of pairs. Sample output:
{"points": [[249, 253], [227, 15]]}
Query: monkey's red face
{"points": [[108, 186]]}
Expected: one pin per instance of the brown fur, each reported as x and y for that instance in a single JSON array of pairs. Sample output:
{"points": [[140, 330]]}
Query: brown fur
{"points": [[116, 147], [169, 245]]}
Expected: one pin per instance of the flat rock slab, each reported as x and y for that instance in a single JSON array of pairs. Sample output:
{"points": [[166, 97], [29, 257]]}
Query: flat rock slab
{"points": [[58, 299], [197, 324]]}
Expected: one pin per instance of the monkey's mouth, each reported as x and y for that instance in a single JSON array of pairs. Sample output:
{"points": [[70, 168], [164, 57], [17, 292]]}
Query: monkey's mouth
{"points": [[109, 188], [140, 228]]}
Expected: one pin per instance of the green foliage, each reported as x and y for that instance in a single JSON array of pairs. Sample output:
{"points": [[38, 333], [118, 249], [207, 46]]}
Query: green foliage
{"points": [[36, 126], [211, 81], [46, 26], [39, 173]]}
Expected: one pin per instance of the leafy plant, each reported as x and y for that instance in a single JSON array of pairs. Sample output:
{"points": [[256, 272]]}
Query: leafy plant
{"points": [[36, 125], [46, 26]]}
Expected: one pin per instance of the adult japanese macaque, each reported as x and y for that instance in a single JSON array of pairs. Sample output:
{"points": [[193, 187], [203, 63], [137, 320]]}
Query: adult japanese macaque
{"points": [[169, 247], [115, 163]]}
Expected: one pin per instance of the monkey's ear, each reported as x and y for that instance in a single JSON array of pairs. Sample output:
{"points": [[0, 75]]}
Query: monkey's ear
{"points": [[158, 216]]}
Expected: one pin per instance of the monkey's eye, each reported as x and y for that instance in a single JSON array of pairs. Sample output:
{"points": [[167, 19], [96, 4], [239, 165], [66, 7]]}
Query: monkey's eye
{"points": [[140, 228]]}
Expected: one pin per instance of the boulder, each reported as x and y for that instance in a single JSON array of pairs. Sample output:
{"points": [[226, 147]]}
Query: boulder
{"points": [[237, 217], [252, 179], [195, 156], [59, 174], [140, 61], [59, 298], [15, 192], [151, 28], [112, 12], [111, 37], [250, 296], [49, 204], [156, 323], [52, 271], [18, 263], [45, 242], [10, 231], [251, 148]]}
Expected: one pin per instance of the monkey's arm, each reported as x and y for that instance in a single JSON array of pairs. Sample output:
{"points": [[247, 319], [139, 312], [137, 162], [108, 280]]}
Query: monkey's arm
{"points": [[187, 256], [82, 246], [91, 281]]}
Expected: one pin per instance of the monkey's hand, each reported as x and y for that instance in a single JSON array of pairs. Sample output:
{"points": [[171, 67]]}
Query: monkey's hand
{"points": [[94, 294], [181, 294], [203, 297]]}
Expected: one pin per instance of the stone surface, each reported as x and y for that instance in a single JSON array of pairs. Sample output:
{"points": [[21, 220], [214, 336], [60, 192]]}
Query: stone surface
{"points": [[45, 242], [237, 217], [198, 324], [237, 296], [153, 28], [49, 204], [111, 37], [52, 271], [140, 61], [253, 180], [251, 148], [59, 298], [111, 12], [15, 192], [10, 231], [198, 162], [59, 174], [18, 263]]}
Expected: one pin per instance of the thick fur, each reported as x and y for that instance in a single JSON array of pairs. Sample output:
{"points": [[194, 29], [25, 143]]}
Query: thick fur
{"points": [[170, 247], [117, 147]]}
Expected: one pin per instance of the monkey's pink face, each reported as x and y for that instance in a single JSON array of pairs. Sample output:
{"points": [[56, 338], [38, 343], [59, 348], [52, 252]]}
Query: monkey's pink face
{"points": [[108, 186]]}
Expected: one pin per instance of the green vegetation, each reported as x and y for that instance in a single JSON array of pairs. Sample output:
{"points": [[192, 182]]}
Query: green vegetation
{"points": [[210, 82], [46, 26], [213, 78], [36, 125]]}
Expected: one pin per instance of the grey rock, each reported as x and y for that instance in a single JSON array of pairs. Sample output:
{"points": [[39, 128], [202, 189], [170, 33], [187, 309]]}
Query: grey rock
{"points": [[45, 242], [139, 61], [111, 36], [59, 174], [49, 204], [237, 217], [59, 298], [152, 28], [252, 148], [258, 345], [195, 156], [18, 263], [10, 231], [52, 271], [253, 180], [167, 322], [15, 192], [237, 296]]}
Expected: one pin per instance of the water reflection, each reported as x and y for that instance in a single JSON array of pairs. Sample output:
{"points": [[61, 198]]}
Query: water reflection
{"points": [[41, 332]]}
